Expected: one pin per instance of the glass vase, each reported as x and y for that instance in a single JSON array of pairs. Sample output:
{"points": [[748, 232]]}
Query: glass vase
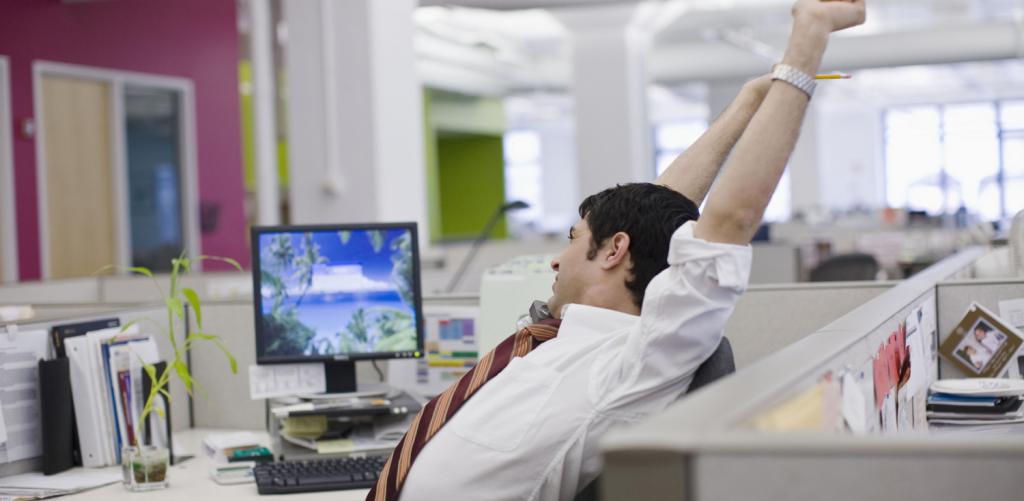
{"points": [[145, 467]]}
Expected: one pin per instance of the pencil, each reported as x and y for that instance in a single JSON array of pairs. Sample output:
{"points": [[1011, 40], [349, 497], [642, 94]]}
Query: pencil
{"points": [[833, 76]]}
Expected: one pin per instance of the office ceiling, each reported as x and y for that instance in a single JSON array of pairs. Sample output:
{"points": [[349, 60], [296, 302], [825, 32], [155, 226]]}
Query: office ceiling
{"points": [[517, 46]]}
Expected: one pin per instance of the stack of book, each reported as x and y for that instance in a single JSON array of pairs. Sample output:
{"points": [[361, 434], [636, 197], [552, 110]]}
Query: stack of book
{"points": [[109, 389], [976, 401]]}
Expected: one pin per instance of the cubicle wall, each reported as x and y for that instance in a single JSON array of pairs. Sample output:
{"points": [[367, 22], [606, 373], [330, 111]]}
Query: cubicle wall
{"points": [[767, 318], [699, 447], [955, 297]]}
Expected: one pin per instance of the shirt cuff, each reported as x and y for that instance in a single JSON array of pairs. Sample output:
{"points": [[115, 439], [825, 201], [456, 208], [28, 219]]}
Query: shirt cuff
{"points": [[731, 262]]}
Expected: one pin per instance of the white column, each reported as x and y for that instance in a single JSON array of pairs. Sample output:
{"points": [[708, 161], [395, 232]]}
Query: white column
{"points": [[264, 102], [355, 113], [804, 170], [609, 87]]}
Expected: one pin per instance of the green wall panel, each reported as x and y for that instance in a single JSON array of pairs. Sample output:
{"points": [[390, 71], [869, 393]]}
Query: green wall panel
{"points": [[471, 179]]}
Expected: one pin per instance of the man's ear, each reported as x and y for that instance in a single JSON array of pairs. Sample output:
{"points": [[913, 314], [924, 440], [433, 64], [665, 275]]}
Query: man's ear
{"points": [[616, 251]]}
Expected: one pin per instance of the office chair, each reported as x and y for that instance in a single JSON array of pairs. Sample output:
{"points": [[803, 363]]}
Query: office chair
{"points": [[846, 267], [718, 365]]}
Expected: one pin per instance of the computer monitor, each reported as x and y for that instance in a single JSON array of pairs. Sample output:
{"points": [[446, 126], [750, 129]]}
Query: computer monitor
{"points": [[336, 294]]}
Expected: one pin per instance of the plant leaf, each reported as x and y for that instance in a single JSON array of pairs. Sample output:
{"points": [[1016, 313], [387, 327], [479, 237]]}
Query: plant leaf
{"points": [[228, 260], [175, 305], [126, 326], [231, 358], [183, 374], [193, 301]]}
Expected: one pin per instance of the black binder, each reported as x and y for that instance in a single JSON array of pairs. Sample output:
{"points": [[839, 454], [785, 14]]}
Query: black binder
{"points": [[58, 422]]}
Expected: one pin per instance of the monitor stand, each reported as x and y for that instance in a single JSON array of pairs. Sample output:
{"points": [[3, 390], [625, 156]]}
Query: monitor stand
{"points": [[341, 383], [340, 376]]}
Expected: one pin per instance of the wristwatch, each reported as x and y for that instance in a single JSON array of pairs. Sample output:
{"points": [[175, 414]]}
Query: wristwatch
{"points": [[794, 77]]}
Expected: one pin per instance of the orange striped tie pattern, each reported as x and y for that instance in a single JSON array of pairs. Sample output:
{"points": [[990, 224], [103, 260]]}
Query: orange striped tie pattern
{"points": [[438, 411]]}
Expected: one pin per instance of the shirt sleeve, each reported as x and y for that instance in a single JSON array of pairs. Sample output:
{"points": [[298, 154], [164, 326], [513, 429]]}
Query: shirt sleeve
{"points": [[684, 312]]}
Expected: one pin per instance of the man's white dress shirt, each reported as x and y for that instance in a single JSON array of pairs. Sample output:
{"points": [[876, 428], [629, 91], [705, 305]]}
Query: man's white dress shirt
{"points": [[532, 432]]}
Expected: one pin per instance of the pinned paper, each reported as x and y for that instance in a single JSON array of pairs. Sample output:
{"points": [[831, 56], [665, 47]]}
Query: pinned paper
{"points": [[1012, 311], [803, 412], [3, 426], [901, 346], [892, 360], [267, 381], [919, 365], [854, 405], [880, 372], [889, 418]]}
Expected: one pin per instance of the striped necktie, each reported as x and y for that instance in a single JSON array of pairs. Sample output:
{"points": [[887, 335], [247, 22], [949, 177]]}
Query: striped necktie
{"points": [[438, 411]]}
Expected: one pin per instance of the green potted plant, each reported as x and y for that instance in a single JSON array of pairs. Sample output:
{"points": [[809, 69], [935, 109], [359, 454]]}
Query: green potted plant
{"points": [[145, 465]]}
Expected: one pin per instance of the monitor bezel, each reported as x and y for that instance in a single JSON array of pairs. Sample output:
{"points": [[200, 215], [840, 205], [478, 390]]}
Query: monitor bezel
{"points": [[262, 358]]}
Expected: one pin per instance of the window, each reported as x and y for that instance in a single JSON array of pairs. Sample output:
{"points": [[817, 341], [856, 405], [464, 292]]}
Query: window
{"points": [[673, 138], [940, 158], [523, 177]]}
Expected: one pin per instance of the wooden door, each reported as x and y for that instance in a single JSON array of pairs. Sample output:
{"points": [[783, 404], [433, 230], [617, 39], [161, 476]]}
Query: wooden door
{"points": [[80, 222]]}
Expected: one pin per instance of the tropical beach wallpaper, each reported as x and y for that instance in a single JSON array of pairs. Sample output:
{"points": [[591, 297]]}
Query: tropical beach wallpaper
{"points": [[337, 292]]}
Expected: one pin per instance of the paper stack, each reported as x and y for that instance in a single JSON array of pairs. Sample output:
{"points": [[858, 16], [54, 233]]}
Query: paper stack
{"points": [[976, 401]]}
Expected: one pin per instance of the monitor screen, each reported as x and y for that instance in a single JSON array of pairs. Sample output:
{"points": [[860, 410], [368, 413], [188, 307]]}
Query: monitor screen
{"points": [[342, 292]]}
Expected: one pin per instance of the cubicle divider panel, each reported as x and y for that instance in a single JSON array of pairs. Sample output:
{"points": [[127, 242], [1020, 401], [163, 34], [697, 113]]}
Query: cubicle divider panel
{"points": [[769, 318], [848, 474], [66, 291], [955, 297], [218, 286], [224, 399]]}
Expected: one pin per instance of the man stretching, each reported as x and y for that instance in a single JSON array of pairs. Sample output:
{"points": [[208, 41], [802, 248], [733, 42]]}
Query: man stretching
{"points": [[641, 297]]}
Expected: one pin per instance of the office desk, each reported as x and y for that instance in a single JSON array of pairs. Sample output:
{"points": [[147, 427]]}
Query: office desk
{"points": [[190, 481]]}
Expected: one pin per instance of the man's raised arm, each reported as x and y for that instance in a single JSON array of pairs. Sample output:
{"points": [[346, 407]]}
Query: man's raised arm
{"points": [[694, 170], [744, 189]]}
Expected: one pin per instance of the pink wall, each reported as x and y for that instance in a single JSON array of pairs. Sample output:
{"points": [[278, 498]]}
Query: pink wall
{"points": [[195, 39]]}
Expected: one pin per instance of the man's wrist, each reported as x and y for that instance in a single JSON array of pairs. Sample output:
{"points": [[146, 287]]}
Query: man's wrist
{"points": [[807, 44]]}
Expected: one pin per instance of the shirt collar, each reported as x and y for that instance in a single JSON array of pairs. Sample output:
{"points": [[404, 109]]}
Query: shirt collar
{"points": [[579, 318]]}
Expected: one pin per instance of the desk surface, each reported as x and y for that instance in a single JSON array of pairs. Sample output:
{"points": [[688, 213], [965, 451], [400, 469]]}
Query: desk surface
{"points": [[190, 481]]}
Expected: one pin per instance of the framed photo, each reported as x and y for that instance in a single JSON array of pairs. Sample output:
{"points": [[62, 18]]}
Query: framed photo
{"points": [[982, 344]]}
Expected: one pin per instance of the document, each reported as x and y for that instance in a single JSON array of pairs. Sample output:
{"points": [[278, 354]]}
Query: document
{"points": [[20, 352], [916, 346], [804, 412], [3, 426], [450, 345], [38, 486], [880, 377], [267, 381], [854, 405], [1012, 311]]}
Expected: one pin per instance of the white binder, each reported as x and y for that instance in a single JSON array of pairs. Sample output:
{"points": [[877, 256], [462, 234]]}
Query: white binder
{"points": [[88, 402], [92, 396]]}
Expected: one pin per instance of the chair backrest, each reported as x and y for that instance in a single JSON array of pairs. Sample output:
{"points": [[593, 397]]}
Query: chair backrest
{"points": [[846, 267], [718, 365]]}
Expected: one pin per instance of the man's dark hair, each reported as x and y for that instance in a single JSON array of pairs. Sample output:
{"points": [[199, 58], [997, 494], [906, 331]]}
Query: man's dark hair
{"points": [[649, 214], [982, 326]]}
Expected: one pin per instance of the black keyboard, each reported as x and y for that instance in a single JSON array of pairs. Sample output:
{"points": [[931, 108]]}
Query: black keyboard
{"points": [[285, 477]]}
